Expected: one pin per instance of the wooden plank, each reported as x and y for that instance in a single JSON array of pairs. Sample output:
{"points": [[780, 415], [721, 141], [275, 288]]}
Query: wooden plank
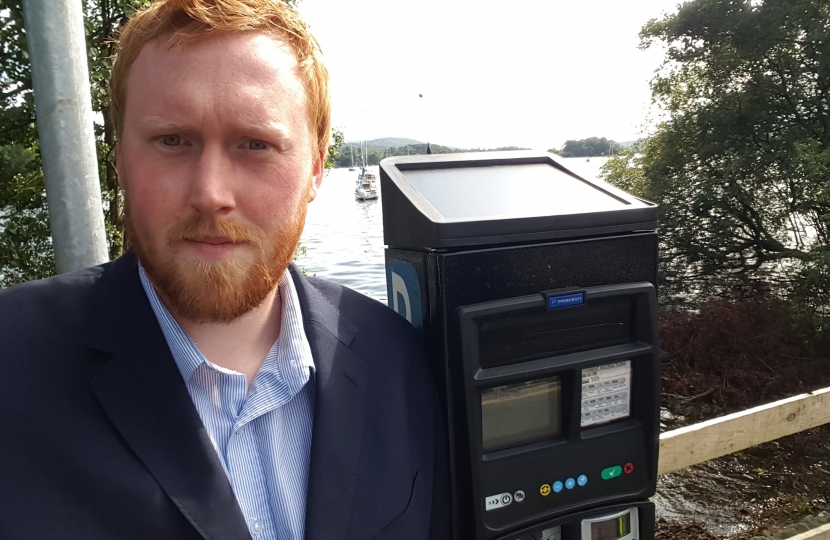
{"points": [[820, 533], [701, 442]]}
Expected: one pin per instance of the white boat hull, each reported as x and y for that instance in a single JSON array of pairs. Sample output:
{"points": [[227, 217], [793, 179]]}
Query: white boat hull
{"points": [[362, 195]]}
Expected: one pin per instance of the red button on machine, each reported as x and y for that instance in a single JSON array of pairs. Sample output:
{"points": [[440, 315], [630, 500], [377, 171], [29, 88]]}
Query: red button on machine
{"points": [[628, 468]]}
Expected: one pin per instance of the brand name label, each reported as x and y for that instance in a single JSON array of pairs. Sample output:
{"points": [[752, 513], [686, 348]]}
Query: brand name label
{"points": [[566, 300]]}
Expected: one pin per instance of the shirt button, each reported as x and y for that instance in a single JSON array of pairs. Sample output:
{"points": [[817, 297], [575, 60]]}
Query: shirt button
{"points": [[256, 526]]}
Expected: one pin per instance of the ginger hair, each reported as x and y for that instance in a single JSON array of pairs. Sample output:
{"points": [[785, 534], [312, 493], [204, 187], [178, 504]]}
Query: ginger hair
{"points": [[184, 21]]}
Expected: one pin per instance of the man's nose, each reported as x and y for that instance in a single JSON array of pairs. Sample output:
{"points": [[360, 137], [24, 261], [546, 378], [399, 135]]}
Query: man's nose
{"points": [[211, 188]]}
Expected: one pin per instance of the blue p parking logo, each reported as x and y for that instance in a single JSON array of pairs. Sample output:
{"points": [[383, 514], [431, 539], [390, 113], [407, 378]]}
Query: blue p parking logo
{"points": [[403, 292]]}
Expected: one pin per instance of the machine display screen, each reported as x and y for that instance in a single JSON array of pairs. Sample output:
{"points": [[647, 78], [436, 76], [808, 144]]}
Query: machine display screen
{"points": [[521, 413], [611, 529]]}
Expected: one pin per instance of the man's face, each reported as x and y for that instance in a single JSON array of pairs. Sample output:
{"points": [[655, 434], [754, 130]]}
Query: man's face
{"points": [[218, 165]]}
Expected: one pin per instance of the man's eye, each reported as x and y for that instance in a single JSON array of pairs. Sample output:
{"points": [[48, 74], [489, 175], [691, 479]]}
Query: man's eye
{"points": [[256, 145], [171, 140]]}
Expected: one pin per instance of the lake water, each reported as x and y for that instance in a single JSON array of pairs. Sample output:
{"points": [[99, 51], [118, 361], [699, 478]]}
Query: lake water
{"points": [[344, 237]]}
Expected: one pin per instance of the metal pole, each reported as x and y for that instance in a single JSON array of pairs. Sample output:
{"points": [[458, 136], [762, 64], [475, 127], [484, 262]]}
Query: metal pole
{"points": [[63, 105]]}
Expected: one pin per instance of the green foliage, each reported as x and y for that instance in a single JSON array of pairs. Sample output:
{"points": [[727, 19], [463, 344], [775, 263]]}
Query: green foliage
{"points": [[590, 147], [740, 163], [337, 140], [26, 251], [625, 170], [24, 231]]}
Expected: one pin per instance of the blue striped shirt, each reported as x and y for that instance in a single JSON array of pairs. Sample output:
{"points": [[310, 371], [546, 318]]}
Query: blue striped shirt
{"points": [[263, 434]]}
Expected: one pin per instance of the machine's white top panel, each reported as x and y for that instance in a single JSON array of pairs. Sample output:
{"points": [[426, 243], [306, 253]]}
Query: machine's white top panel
{"points": [[515, 191]]}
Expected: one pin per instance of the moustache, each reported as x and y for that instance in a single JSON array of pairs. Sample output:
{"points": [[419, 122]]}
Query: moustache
{"points": [[228, 229]]}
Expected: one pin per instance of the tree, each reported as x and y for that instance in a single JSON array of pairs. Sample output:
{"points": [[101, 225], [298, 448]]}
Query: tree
{"points": [[25, 243], [27, 250], [741, 163], [590, 147], [337, 140], [625, 170]]}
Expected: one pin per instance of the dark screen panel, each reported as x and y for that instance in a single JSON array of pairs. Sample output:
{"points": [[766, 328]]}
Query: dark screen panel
{"points": [[521, 413], [517, 336]]}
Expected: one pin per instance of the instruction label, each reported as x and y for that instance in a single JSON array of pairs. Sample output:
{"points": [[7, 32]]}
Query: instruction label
{"points": [[606, 393]]}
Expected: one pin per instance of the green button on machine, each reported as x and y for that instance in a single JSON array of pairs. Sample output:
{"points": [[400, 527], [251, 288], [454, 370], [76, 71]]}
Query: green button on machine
{"points": [[611, 472]]}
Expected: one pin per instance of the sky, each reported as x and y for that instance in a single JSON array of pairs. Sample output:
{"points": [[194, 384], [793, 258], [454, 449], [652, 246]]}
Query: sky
{"points": [[530, 73]]}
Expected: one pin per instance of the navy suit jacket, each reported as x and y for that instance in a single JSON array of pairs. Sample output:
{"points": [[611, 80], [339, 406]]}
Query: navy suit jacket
{"points": [[99, 438]]}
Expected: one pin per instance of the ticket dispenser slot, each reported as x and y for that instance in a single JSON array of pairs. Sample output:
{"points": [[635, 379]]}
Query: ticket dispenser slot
{"points": [[622, 525], [561, 400], [634, 521]]}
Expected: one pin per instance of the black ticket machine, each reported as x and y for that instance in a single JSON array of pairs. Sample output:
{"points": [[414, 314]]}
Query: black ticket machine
{"points": [[535, 292]]}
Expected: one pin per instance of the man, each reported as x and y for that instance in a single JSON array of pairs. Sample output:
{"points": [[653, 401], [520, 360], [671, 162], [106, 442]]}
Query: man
{"points": [[200, 386]]}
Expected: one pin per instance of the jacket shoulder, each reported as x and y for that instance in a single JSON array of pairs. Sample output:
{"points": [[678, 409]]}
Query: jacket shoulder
{"points": [[366, 314], [34, 306]]}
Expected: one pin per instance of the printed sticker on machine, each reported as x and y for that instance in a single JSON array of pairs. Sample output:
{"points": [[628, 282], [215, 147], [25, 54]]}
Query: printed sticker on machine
{"points": [[606, 393]]}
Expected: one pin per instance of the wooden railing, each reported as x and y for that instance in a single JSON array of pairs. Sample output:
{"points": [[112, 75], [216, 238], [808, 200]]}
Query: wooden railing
{"points": [[697, 443], [821, 533]]}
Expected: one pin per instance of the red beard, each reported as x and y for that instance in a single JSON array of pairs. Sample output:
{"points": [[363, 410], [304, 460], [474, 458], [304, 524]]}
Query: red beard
{"points": [[217, 291]]}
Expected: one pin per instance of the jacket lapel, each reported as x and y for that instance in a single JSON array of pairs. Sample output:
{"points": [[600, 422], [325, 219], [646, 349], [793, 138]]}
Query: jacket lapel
{"points": [[144, 395], [339, 411]]}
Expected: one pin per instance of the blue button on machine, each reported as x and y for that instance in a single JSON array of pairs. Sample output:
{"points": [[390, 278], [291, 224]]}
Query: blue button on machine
{"points": [[570, 483], [557, 486], [581, 480]]}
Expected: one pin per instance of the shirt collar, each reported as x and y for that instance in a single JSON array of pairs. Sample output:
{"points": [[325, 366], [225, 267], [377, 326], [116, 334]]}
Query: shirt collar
{"points": [[290, 354]]}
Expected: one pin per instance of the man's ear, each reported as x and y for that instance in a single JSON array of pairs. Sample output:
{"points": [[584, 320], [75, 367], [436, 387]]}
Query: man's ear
{"points": [[317, 176]]}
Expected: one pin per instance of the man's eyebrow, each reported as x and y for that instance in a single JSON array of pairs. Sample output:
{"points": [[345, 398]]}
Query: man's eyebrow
{"points": [[277, 129], [156, 122], [257, 127]]}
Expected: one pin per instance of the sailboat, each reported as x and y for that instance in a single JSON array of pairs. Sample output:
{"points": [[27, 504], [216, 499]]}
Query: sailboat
{"points": [[366, 187]]}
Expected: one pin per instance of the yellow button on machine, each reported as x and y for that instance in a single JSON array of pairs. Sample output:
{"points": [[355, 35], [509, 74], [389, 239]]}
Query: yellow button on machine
{"points": [[545, 490]]}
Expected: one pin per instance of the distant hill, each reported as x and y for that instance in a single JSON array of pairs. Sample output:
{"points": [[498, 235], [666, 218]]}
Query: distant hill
{"points": [[378, 149], [386, 142], [499, 149]]}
